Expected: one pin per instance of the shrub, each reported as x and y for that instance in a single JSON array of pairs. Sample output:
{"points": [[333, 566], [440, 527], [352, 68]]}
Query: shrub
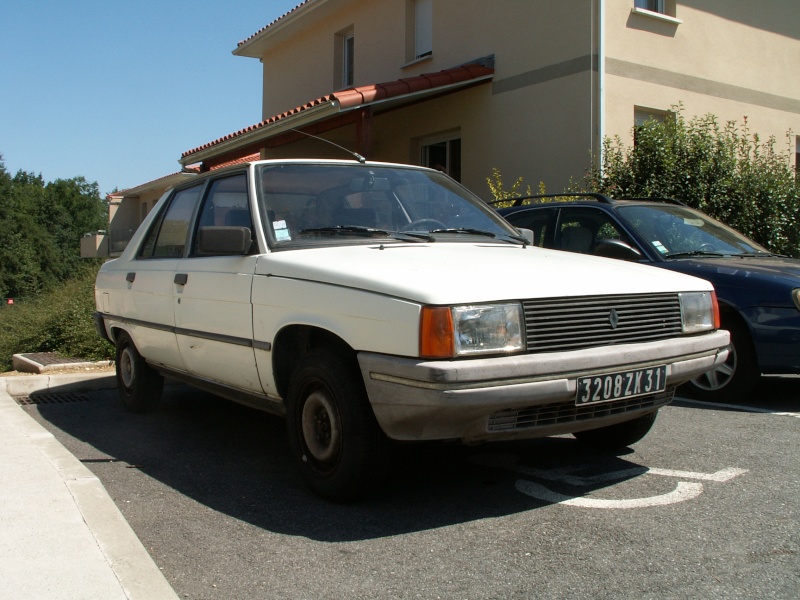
{"points": [[723, 170], [58, 321]]}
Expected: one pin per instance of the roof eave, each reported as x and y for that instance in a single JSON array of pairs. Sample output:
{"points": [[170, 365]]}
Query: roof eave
{"points": [[285, 124], [255, 46]]}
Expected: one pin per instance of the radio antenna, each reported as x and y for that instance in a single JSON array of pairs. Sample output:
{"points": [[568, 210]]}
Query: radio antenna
{"points": [[357, 156]]}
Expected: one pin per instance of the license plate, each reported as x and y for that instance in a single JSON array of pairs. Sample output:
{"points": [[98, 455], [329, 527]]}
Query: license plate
{"points": [[625, 384]]}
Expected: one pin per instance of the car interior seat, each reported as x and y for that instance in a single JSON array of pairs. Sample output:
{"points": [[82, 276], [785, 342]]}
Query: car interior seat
{"points": [[360, 217], [576, 239]]}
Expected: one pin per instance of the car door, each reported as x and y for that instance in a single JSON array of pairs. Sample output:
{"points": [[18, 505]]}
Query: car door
{"points": [[588, 230], [213, 312], [539, 220], [148, 305]]}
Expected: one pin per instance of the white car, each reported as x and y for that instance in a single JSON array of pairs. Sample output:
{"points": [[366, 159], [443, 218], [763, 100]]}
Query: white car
{"points": [[370, 302]]}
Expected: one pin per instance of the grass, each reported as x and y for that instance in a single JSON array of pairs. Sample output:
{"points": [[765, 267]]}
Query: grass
{"points": [[58, 321]]}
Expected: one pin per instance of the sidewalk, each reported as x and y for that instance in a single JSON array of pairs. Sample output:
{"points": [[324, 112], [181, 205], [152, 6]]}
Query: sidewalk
{"points": [[61, 535]]}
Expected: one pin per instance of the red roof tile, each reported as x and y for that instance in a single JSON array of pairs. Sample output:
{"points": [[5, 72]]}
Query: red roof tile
{"points": [[238, 161], [268, 25], [366, 94]]}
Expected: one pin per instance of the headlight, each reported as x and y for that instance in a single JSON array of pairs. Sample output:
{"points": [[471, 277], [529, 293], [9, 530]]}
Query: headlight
{"points": [[796, 297], [451, 331], [699, 311]]}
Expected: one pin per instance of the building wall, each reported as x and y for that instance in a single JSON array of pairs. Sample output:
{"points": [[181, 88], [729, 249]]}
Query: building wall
{"points": [[540, 117], [731, 58]]}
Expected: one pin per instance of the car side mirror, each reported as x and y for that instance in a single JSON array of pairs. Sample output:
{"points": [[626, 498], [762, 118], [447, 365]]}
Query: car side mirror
{"points": [[527, 234], [224, 240], [616, 249]]}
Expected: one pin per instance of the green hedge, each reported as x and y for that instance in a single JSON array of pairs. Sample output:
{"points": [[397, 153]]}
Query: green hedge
{"points": [[725, 170], [58, 321]]}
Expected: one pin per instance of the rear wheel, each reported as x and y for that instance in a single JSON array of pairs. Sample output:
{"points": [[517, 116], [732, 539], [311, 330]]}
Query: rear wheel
{"points": [[736, 378], [337, 443], [621, 435], [139, 385]]}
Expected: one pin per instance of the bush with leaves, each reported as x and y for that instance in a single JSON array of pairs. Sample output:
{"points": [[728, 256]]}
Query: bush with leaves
{"points": [[500, 194], [57, 321], [723, 170]]}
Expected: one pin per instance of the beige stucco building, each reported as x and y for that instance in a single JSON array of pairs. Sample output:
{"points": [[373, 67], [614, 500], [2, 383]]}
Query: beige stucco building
{"points": [[530, 87]]}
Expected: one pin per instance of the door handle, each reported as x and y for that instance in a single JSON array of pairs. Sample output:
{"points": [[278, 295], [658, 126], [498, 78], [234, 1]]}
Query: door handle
{"points": [[181, 278], [130, 277]]}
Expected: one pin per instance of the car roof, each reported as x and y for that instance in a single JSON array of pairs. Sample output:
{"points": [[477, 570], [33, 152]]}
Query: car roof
{"points": [[573, 199]]}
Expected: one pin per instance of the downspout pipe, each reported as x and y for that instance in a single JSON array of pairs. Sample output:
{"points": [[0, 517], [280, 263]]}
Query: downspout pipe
{"points": [[601, 80]]}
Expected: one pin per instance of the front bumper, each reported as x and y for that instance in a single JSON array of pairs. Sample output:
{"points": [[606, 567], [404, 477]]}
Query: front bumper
{"points": [[474, 400]]}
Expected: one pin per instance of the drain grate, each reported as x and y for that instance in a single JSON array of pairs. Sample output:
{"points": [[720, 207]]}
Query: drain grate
{"points": [[51, 398]]}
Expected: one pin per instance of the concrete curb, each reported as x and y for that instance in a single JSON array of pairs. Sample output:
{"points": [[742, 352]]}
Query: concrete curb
{"points": [[24, 385], [87, 574]]}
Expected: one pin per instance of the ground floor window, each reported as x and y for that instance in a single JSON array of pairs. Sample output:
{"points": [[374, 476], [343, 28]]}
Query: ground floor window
{"points": [[443, 153]]}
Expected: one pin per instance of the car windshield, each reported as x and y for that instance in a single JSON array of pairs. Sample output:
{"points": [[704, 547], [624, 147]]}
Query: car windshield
{"points": [[677, 231], [307, 204]]}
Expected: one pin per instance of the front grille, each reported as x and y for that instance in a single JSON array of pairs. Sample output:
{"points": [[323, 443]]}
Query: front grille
{"points": [[567, 412], [559, 324]]}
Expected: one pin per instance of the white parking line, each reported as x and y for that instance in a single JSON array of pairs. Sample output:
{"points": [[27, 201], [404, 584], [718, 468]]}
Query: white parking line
{"points": [[741, 407], [564, 475], [682, 492]]}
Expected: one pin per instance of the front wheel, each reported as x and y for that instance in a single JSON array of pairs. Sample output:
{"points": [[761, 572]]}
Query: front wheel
{"points": [[337, 443], [139, 385], [736, 378], [616, 437]]}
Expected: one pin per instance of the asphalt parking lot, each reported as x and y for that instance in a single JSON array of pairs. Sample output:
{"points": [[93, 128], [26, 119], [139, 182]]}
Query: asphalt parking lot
{"points": [[706, 506]]}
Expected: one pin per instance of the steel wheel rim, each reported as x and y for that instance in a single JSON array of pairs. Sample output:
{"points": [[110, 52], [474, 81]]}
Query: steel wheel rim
{"points": [[321, 428], [126, 369]]}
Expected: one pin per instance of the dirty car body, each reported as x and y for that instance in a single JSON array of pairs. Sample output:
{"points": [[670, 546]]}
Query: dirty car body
{"points": [[370, 302], [758, 291]]}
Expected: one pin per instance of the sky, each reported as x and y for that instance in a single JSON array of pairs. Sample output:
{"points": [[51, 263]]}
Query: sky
{"points": [[116, 90]]}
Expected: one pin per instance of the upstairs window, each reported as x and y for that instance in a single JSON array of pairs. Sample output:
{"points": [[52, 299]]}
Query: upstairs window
{"points": [[423, 28], [664, 9], [651, 5], [419, 29], [348, 59], [344, 62]]}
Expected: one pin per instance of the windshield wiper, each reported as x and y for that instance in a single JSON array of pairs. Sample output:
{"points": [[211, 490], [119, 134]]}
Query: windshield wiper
{"points": [[470, 231], [346, 229], [466, 230], [415, 235], [692, 253]]}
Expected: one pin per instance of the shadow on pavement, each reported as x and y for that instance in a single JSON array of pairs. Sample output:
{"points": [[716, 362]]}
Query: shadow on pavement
{"points": [[235, 460]]}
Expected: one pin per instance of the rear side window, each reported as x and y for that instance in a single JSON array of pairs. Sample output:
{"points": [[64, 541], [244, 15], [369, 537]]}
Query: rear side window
{"points": [[537, 220], [226, 205], [167, 238]]}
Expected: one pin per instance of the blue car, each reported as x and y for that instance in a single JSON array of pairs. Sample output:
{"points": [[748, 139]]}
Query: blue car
{"points": [[758, 291]]}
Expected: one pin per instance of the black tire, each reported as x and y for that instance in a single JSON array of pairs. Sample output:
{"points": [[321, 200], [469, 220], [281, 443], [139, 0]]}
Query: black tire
{"points": [[621, 435], [735, 379], [334, 437], [139, 385]]}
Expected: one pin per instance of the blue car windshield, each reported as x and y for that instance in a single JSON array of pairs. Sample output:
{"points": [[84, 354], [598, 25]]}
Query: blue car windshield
{"points": [[306, 204], [678, 231]]}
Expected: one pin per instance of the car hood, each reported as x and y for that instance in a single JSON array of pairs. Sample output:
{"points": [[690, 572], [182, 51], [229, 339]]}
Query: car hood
{"points": [[764, 269], [449, 273]]}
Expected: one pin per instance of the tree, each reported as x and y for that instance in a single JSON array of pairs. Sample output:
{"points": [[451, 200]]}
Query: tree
{"points": [[40, 229], [723, 170]]}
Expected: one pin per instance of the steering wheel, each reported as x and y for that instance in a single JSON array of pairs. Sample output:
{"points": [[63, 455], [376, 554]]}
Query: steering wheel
{"points": [[425, 224], [706, 247]]}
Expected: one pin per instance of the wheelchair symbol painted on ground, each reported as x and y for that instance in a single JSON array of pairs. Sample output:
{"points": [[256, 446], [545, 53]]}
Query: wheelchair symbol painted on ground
{"points": [[688, 486]]}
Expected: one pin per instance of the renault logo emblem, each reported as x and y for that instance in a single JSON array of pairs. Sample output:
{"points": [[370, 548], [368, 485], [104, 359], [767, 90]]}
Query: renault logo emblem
{"points": [[613, 318]]}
